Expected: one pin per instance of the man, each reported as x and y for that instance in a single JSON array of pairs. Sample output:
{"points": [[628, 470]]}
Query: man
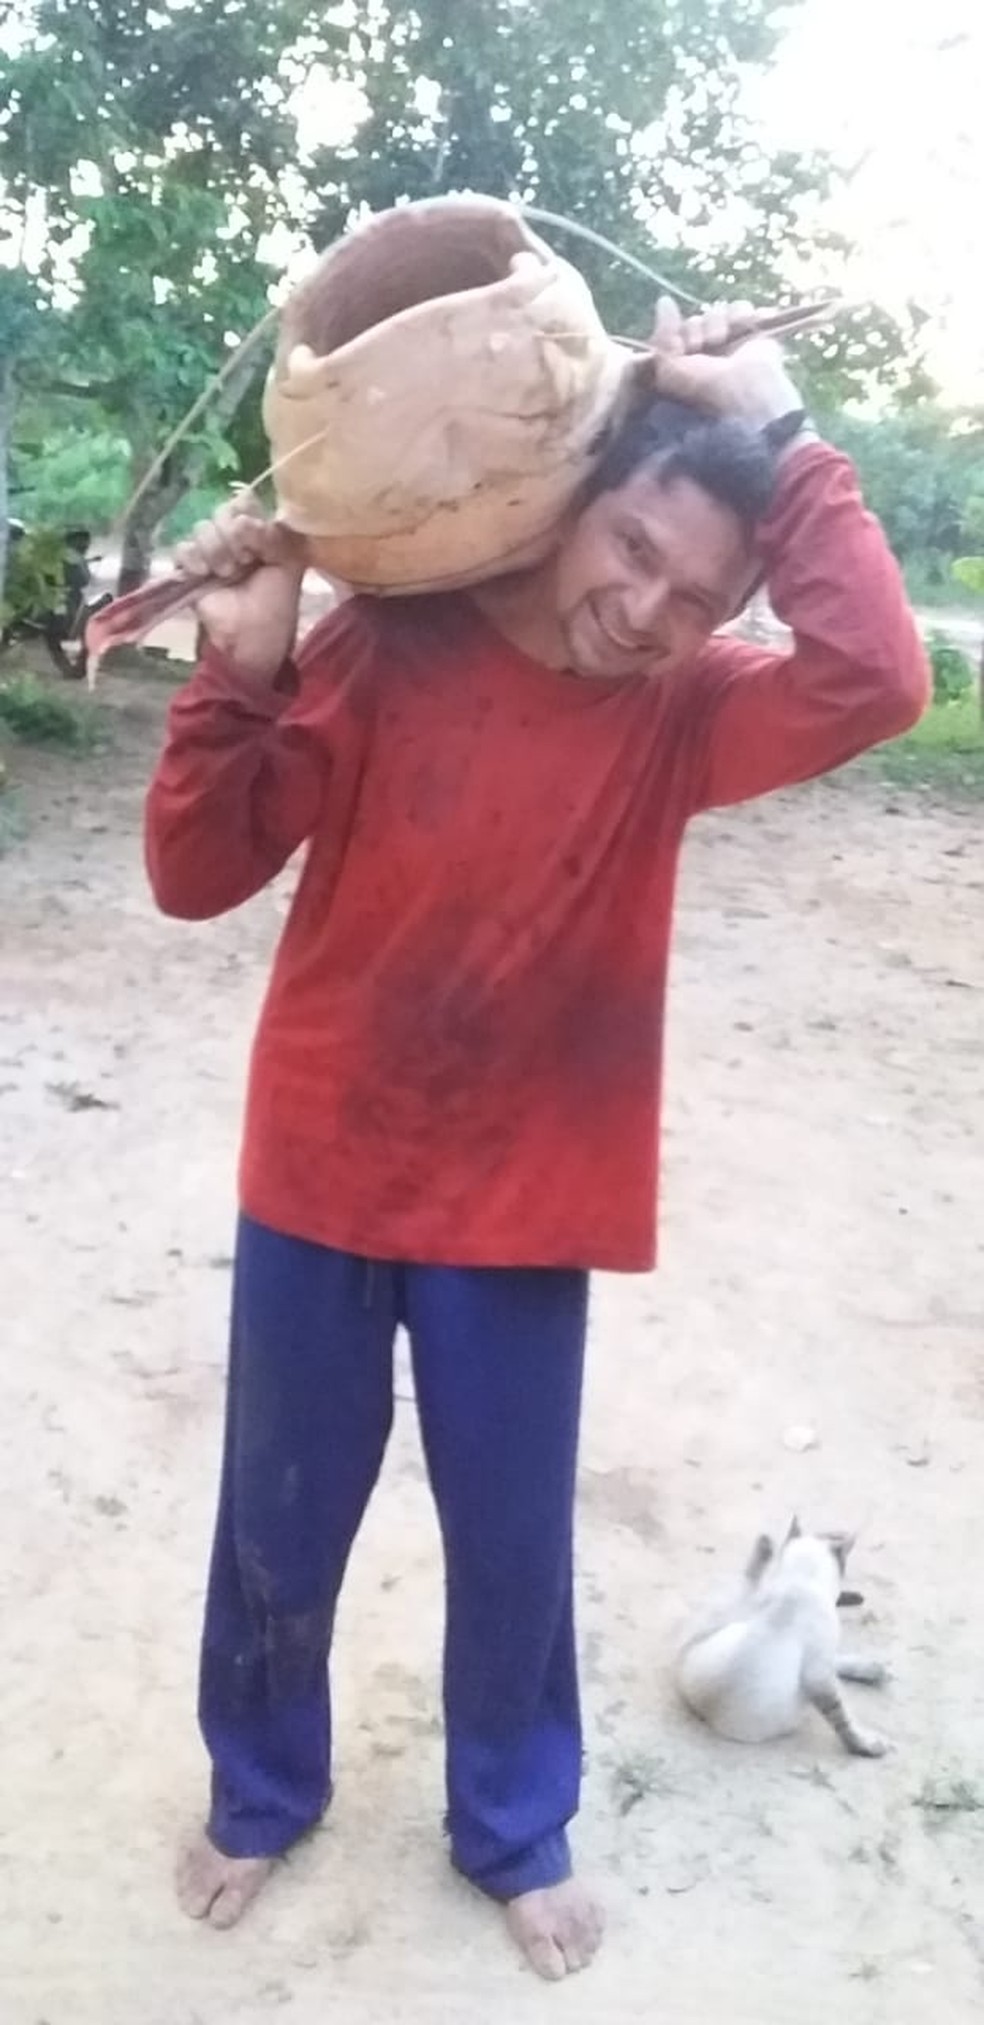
{"points": [[454, 1094]]}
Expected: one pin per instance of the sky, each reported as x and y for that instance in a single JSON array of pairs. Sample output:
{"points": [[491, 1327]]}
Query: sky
{"points": [[897, 88]]}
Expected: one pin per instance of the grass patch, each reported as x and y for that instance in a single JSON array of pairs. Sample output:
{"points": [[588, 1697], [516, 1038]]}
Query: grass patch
{"points": [[41, 715], [945, 750], [637, 1776]]}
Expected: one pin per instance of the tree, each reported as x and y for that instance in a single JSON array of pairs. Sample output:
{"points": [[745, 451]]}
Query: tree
{"points": [[150, 330], [155, 151], [923, 475], [624, 116], [18, 325], [19, 330], [157, 146]]}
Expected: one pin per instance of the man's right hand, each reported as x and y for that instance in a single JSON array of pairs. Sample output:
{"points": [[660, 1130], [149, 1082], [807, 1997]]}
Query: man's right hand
{"points": [[252, 618]]}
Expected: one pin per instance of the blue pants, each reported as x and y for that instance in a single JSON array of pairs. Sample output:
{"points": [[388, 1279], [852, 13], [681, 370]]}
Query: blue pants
{"points": [[498, 1357]]}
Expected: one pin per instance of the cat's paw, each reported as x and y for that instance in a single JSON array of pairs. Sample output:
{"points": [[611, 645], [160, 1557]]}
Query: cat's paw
{"points": [[865, 1672], [869, 1744]]}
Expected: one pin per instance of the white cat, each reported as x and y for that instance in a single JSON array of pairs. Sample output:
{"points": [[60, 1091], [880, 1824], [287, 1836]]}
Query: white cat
{"points": [[752, 1668]]}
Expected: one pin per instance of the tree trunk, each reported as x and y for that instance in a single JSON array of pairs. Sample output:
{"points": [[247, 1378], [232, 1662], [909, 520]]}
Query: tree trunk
{"points": [[175, 478], [6, 429], [141, 524]]}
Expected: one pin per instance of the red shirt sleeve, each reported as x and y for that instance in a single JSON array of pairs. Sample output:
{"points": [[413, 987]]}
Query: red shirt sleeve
{"points": [[857, 673], [245, 771]]}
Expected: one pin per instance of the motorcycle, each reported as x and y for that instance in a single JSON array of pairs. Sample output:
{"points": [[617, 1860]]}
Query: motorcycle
{"points": [[62, 630]]}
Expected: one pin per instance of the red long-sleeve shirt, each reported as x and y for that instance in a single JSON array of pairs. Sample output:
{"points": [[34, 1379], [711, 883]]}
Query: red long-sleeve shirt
{"points": [[458, 1059]]}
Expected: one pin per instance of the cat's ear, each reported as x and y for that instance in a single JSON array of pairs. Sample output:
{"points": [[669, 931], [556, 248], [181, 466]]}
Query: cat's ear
{"points": [[795, 1530], [841, 1545], [762, 1553]]}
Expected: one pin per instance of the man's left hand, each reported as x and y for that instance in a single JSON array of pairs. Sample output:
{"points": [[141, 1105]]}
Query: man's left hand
{"points": [[714, 361]]}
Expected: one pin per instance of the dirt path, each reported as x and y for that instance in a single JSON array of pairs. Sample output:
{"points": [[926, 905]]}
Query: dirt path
{"points": [[823, 1264]]}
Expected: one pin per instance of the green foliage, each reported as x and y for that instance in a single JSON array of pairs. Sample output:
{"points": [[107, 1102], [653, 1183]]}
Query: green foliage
{"points": [[626, 117], [918, 476], [74, 475], [18, 311], [953, 673], [922, 473], [160, 147], [157, 144], [211, 78], [35, 582], [81, 479], [40, 716], [973, 515], [18, 322], [930, 583], [944, 752], [969, 571], [151, 322], [866, 347]]}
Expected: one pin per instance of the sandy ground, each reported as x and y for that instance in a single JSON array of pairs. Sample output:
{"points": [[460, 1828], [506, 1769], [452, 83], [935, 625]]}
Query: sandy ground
{"points": [[823, 1264]]}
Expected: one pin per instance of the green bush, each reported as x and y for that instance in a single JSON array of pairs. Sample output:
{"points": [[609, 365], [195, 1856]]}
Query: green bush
{"points": [[35, 583], [969, 571], [953, 673], [81, 478], [75, 477], [40, 716], [929, 581], [922, 473], [944, 752]]}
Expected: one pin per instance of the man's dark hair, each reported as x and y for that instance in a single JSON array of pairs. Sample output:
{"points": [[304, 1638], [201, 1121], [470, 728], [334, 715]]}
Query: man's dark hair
{"points": [[729, 459]]}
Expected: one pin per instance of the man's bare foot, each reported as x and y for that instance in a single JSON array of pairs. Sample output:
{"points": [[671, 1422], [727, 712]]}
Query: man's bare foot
{"points": [[218, 1888], [558, 1930]]}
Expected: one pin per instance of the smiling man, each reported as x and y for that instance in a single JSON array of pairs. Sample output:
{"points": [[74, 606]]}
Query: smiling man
{"points": [[454, 1098]]}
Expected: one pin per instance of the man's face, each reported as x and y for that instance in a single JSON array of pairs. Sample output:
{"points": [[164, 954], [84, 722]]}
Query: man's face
{"points": [[646, 574]]}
